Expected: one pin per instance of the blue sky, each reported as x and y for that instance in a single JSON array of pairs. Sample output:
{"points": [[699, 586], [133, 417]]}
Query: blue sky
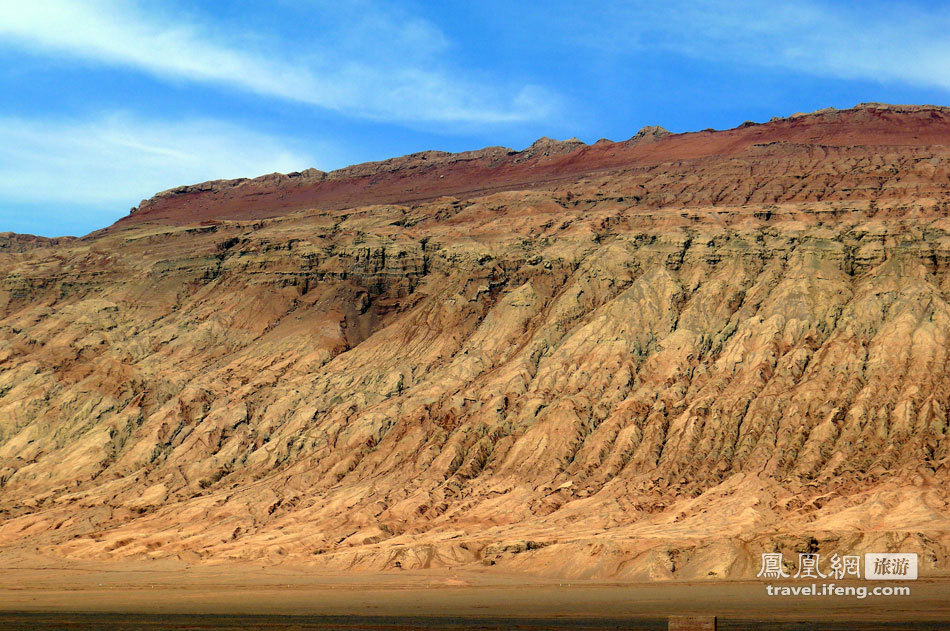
{"points": [[106, 102]]}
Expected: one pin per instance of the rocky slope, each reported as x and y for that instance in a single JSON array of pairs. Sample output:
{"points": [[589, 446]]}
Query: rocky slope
{"points": [[13, 242], [641, 360], [650, 153]]}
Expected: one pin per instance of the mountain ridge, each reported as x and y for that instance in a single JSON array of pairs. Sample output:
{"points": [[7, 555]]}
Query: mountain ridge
{"points": [[435, 174], [656, 371]]}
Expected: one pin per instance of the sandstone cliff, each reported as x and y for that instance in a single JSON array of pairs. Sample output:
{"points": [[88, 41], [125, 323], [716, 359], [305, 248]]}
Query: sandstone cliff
{"points": [[656, 359]]}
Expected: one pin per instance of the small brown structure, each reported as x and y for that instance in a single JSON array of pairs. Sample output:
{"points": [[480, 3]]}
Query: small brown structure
{"points": [[692, 623]]}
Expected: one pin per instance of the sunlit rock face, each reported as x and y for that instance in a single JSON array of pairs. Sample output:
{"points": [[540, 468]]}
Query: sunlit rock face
{"points": [[644, 360]]}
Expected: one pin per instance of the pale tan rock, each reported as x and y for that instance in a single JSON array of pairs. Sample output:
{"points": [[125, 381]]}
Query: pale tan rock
{"points": [[645, 373]]}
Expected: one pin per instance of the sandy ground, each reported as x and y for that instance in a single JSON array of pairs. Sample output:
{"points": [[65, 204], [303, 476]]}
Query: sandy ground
{"points": [[178, 588]]}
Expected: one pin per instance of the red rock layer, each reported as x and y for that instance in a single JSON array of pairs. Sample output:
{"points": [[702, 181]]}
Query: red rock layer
{"points": [[429, 175], [647, 371]]}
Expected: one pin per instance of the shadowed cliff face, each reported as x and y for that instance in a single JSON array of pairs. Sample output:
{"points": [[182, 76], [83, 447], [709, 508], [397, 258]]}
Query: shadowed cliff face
{"points": [[650, 372]]}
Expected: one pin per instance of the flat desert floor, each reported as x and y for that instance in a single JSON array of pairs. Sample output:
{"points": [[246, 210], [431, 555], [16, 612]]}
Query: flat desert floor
{"points": [[45, 594]]}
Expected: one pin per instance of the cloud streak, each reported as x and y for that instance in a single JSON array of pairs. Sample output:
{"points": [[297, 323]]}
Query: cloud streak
{"points": [[865, 41], [379, 67], [117, 160]]}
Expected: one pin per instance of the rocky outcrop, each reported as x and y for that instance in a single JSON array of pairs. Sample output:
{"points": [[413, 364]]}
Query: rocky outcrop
{"points": [[860, 133], [545, 147], [217, 187], [650, 133], [646, 373], [14, 242]]}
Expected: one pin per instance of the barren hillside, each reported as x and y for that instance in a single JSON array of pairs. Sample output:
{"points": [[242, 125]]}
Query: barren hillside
{"points": [[648, 359]]}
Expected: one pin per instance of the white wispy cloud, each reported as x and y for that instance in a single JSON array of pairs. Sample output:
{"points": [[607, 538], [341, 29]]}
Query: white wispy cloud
{"points": [[866, 40], [118, 159], [380, 66]]}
